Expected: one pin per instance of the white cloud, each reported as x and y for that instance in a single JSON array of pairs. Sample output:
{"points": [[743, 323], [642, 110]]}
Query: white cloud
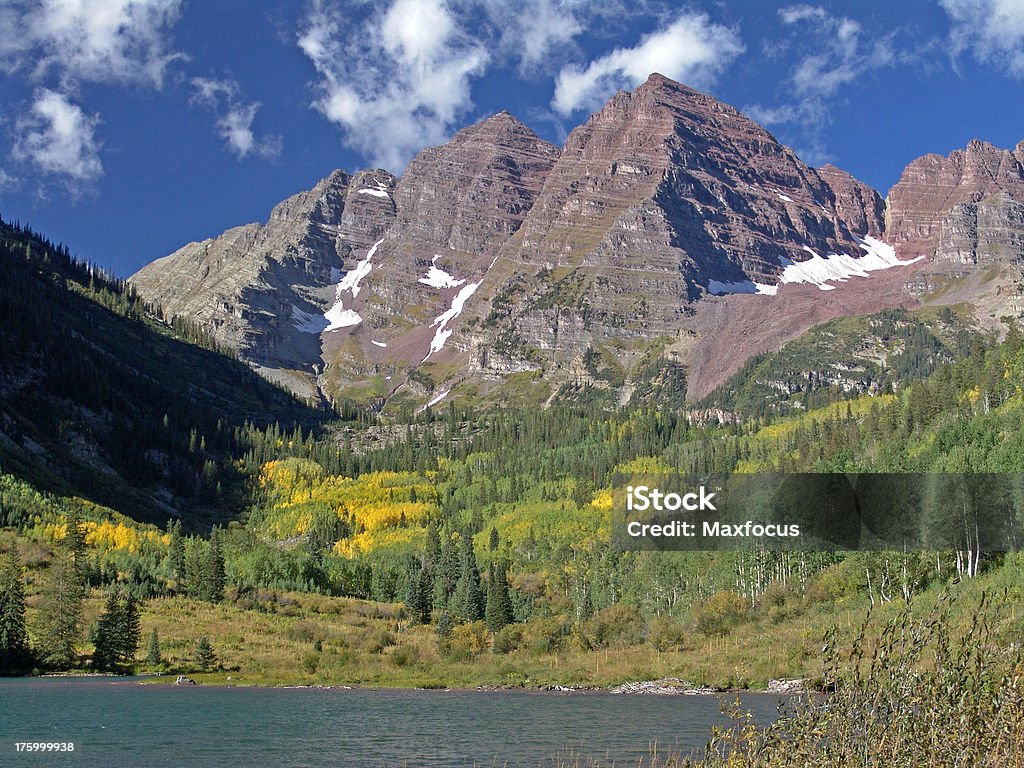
{"points": [[691, 50], [537, 32], [795, 13], [58, 138], [992, 30], [840, 54], [235, 117], [58, 45], [396, 83], [89, 40]]}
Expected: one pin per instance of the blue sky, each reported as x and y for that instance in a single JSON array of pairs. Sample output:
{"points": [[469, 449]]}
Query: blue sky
{"points": [[130, 127]]}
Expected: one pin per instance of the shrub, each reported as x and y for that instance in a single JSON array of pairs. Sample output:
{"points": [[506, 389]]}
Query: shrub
{"points": [[468, 640], [544, 634], [310, 662], [720, 613], [616, 625], [377, 640], [834, 583], [508, 638], [918, 695], [405, 655], [664, 633]]}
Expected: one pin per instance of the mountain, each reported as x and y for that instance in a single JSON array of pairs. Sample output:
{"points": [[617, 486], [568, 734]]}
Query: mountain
{"points": [[964, 214], [669, 240], [260, 289], [101, 402]]}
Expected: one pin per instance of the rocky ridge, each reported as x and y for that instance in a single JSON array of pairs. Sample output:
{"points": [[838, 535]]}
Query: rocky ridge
{"points": [[668, 227]]}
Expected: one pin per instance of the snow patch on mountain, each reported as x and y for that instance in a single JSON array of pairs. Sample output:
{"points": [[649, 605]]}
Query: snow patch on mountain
{"points": [[822, 271], [439, 398], [337, 316], [438, 278], [442, 334], [382, 344], [374, 192], [355, 275]]}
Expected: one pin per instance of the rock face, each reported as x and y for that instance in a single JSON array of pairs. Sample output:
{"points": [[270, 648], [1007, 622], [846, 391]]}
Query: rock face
{"points": [[964, 214], [933, 187], [857, 204], [260, 288], [668, 225], [457, 204], [664, 196], [670, 176], [986, 232]]}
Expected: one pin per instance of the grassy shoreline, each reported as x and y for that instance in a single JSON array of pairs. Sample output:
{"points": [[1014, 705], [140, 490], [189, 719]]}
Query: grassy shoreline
{"points": [[309, 641]]}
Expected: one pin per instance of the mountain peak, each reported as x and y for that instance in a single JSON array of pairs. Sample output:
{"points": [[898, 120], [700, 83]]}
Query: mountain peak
{"points": [[657, 81]]}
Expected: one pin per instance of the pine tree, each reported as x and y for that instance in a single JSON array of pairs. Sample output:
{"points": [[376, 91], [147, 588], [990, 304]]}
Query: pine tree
{"points": [[499, 603], [61, 613], [445, 628], [116, 636], [417, 598], [103, 656], [492, 543], [131, 631], [203, 656], [214, 577], [74, 537], [468, 600], [177, 554], [153, 657], [433, 546], [15, 652]]}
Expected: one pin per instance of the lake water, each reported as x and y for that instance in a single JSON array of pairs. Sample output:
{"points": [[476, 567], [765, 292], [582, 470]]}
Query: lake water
{"points": [[117, 723]]}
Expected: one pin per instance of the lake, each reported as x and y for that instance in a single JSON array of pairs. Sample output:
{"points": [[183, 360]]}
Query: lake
{"points": [[117, 723]]}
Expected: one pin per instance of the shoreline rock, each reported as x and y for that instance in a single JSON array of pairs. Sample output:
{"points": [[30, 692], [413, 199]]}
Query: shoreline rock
{"points": [[666, 686]]}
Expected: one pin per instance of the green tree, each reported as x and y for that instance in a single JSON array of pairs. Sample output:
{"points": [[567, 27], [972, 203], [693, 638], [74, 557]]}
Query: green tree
{"points": [[117, 633], [153, 657], [214, 576], [203, 656], [60, 613], [177, 554], [420, 592], [15, 652], [74, 537], [499, 605], [468, 601], [444, 629], [433, 545]]}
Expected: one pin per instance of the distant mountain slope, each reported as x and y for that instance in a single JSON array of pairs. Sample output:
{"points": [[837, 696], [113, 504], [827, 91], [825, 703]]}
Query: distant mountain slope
{"points": [[669, 240], [99, 400], [844, 358]]}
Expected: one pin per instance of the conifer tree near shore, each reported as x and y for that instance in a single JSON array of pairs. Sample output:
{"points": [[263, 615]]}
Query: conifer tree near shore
{"points": [[15, 651], [117, 634]]}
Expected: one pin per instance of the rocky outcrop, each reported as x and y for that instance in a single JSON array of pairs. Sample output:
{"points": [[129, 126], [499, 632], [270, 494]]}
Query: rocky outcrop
{"points": [[933, 186], [989, 231], [860, 207], [261, 288]]}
